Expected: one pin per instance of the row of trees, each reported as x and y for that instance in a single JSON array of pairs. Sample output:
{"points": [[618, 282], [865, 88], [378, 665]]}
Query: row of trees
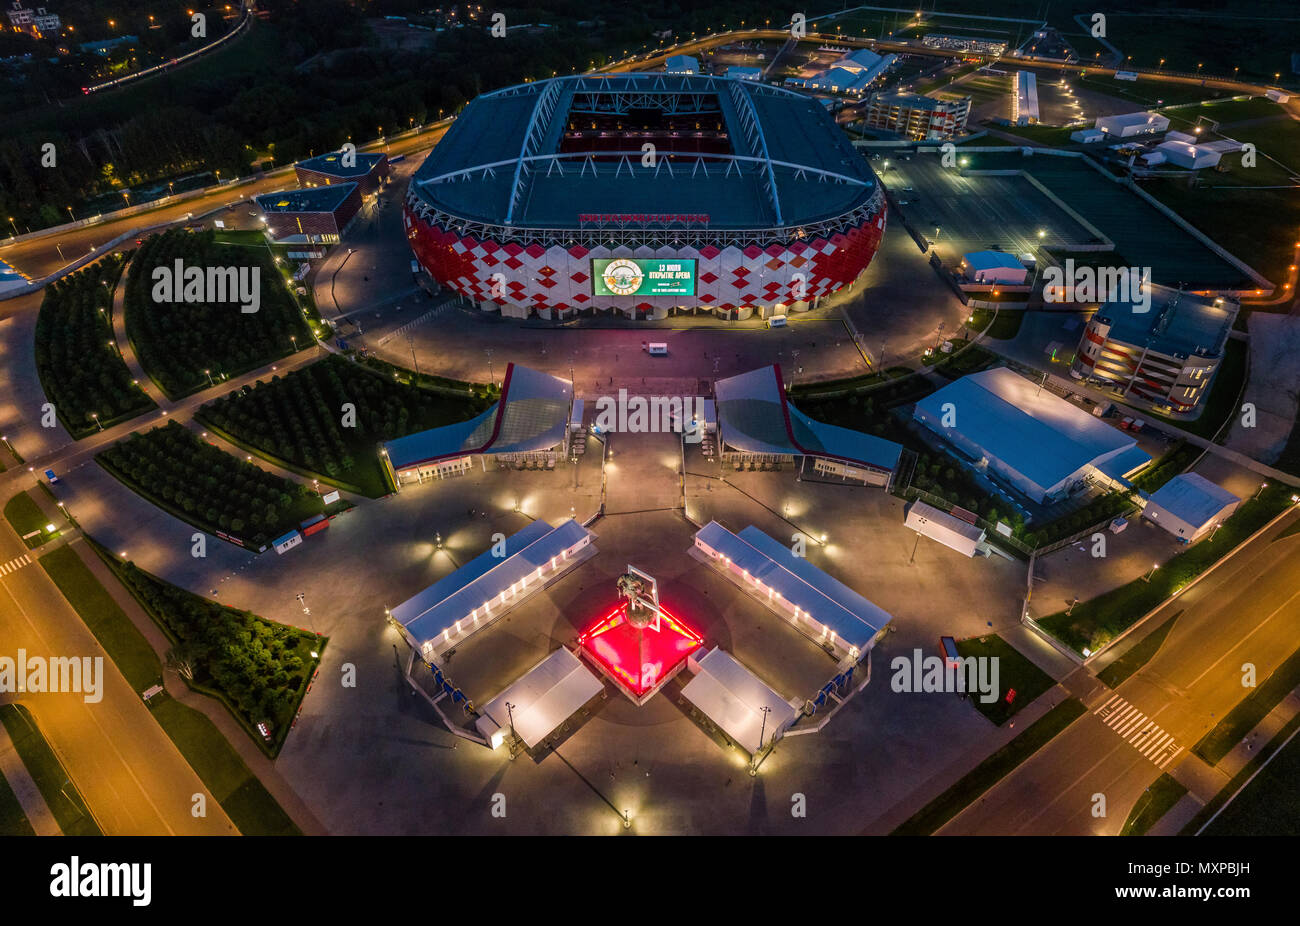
{"points": [[178, 341], [176, 469], [329, 417], [76, 357], [261, 666]]}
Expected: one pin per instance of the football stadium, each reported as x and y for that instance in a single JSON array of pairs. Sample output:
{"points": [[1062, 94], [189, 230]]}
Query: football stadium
{"points": [[644, 195]]}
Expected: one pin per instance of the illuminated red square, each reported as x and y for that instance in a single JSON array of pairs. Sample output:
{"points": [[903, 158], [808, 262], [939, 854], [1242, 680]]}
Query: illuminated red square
{"points": [[639, 659]]}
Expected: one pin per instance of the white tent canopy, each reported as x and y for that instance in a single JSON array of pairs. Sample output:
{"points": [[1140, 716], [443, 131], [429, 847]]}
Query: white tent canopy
{"points": [[540, 701], [734, 698]]}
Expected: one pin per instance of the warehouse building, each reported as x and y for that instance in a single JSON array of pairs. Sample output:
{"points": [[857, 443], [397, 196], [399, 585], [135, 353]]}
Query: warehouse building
{"points": [[1033, 440], [748, 710], [1024, 105], [1131, 124], [367, 171], [316, 215], [534, 706], [1189, 506], [1164, 355], [682, 64], [758, 426], [920, 118], [743, 72], [966, 537], [528, 427]]}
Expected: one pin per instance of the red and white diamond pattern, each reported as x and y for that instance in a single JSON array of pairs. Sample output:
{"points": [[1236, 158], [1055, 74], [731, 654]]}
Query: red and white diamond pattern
{"points": [[534, 277]]}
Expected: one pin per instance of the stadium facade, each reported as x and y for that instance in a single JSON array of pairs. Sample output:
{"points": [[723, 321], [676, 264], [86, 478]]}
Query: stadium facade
{"points": [[644, 195]]}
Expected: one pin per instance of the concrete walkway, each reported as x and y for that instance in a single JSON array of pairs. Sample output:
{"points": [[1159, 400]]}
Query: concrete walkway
{"points": [[127, 352], [24, 788]]}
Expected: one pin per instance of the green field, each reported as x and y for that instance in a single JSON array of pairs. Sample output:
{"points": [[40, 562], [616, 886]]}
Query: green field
{"points": [[61, 795], [26, 517], [1154, 803], [1270, 804], [1138, 655], [1014, 672]]}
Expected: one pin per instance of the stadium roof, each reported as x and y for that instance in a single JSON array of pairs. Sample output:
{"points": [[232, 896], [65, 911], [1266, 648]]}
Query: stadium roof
{"points": [[755, 417], [1175, 323], [312, 199], [736, 700], [531, 415], [829, 602], [500, 163], [437, 609], [332, 164], [1030, 429], [1192, 498]]}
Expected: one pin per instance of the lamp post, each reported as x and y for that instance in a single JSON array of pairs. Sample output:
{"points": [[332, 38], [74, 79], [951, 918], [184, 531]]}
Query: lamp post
{"points": [[95, 415], [1147, 577], [491, 373]]}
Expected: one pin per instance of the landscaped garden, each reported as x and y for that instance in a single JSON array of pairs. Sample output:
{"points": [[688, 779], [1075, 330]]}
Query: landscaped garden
{"points": [[81, 372], [183, 474], [302, 420], [187, 345]]}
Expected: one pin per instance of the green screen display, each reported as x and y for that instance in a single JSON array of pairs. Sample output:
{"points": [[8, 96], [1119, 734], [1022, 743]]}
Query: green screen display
{"points": [[626, 276]]}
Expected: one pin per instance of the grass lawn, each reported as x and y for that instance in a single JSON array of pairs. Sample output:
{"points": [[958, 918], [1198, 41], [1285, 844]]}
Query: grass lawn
{"points": [[26, 516], [992, 770], [1054, 136], [1138, 655], [1154, 803], [1269, 805], [1005, 327], [842, 386], [1014, 671], [13, 822], [61, 795], [1243, 718], [120, 638], [1097, 621], [221, 768]]}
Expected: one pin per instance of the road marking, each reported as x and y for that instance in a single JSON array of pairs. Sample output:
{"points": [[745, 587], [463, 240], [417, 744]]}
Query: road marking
{"points": [[15, 564], [1138, 730]]}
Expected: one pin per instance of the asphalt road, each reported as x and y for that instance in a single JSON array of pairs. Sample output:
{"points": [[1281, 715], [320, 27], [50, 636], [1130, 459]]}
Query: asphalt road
{"points": [[131, 775], [1246, 611]]}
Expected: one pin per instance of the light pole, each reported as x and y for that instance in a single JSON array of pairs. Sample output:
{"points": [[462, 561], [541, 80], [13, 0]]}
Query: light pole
{"points": [[1147, 577], [1260, 490], [491, 373], [208, 373], [510, 712], [95, 415], [15, 225]]}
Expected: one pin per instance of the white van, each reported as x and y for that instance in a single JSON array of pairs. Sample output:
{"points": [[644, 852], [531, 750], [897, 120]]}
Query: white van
{"points": [[776, 321], [657, 349]]}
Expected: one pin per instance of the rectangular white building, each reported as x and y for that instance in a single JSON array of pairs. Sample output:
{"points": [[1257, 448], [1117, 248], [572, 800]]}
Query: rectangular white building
{"points": [[1130, 124], [1190, 506], [949, 530]]}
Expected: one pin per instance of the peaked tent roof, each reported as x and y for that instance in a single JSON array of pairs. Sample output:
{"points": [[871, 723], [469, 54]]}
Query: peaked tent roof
{"points": [[755, 417]]}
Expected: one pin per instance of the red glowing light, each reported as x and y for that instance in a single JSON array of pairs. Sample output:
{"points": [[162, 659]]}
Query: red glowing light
{"points": [[639, 658]]}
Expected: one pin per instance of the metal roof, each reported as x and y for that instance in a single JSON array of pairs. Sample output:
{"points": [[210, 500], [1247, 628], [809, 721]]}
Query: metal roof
{"points": [[827, 601], [736, 700], [501, 162], [542, 699], [311, 199], [1193, 499], [1029, 429], [332, 164], [1175, 322], [531, 415], [755, 417]]}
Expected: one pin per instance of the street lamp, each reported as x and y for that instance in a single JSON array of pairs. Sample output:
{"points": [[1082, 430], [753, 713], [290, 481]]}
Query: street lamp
{"points": [[95, 415], [1147, 577], [208, 374]]}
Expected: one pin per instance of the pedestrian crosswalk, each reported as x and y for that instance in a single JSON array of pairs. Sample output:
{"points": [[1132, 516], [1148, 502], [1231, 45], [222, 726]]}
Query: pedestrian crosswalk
{"points": [[1138, 730], [15, 564]]}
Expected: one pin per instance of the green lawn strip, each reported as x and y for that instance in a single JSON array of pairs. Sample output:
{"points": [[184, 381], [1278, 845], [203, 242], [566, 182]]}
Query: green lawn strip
{"points": [[25, 516], [61, 795], [1097, 621], [119, 637], [1005, 327], [1243, 718], [13, 821], [1270, 804], [838, 387], [203, 745], [223, 771], [1155, 802], [1291, 531], [1239, 780], [1137, 655], [1014, 671], [992, 770]]}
